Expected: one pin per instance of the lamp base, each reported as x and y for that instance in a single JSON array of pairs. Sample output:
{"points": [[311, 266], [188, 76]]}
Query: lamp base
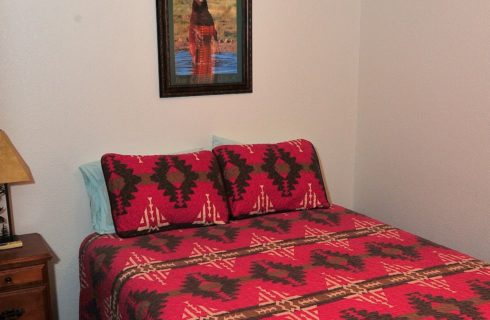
{"points": [[11, 243]]}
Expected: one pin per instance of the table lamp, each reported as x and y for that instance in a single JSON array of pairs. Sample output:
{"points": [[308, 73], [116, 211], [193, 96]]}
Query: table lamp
{"points": [[13, 169]]}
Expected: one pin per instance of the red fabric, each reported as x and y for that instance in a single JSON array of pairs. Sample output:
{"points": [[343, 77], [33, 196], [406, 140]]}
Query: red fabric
{"points": [[159, 192], [315, 264], [263, 178], [200, 38]]}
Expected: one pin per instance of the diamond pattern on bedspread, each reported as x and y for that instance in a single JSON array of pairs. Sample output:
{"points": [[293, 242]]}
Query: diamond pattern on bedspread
{"points": [[317, 264]]}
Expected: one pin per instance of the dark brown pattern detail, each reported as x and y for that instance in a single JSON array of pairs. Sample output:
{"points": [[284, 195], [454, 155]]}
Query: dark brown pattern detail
{"points": [[92, 309], [322, 217], [393, 251], [98, 267], [128, 273], [215, 177], [481, 288], [176, 178], [328, 296], [86, 244], [146, 304], [441, 308], [353, 314], [91, 306], [211, 286], [278, 273], [122, 186], [160, 242], [282, 168], [337, 260], [218, 233], [272, 224], [236, 174], [315, 167]]}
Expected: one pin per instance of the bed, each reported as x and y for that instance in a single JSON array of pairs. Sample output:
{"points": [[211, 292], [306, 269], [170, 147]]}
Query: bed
{"points": [[311, 264], [317, 262]]}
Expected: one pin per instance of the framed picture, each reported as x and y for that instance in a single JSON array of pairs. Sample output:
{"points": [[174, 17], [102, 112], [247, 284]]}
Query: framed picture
{"points": [[204, 47]]}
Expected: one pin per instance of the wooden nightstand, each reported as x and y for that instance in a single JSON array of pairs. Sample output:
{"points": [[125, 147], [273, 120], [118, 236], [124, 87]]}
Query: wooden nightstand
{"points": [[24, 280]]}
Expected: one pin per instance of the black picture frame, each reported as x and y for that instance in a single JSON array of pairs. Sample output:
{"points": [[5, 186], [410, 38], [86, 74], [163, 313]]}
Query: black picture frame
{"points": [[178, 76]]}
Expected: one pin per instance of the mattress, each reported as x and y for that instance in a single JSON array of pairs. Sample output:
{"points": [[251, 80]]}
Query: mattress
{"points": [[314, 264]]}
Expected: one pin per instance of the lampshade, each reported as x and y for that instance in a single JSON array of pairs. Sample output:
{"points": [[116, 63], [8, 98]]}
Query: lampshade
{"points": [[12, 166]]}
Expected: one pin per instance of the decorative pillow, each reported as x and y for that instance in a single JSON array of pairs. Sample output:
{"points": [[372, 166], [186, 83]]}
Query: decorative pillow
{"points": [[160, 192], [263, 178], [100, 208]]}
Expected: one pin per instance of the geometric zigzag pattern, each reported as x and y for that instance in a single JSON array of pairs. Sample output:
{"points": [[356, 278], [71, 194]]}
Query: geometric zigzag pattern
{"points": [[293, 265], [153, 193], [265, 178]]}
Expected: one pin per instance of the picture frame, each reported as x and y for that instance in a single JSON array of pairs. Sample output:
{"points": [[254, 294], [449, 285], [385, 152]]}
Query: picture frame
{"points": [[204, 47]]}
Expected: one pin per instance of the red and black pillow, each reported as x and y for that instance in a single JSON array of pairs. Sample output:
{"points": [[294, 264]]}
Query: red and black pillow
{"points": [[158, 192], [263, 178]]}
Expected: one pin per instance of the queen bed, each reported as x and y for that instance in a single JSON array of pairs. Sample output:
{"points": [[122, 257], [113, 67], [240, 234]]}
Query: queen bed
{"points": [[318, 261]]}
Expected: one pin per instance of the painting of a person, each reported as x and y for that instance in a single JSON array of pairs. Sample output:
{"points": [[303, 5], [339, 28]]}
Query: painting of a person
{"points": [[202, 32], [205, 40]]}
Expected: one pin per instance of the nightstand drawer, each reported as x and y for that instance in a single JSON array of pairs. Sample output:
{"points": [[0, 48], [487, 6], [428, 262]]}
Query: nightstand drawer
{"points": [[26, 304], [20, 276]]}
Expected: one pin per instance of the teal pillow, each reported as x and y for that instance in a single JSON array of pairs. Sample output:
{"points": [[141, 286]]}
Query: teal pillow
{"points": [[219, 141], [100, 208]]}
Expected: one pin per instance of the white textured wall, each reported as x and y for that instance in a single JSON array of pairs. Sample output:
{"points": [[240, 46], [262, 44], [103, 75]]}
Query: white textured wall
{"points": [[79, 78], [423, 142]]}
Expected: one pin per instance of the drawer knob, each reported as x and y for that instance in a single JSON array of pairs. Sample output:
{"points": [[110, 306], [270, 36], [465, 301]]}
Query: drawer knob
{"points": [[12, 314], [8, 280]]}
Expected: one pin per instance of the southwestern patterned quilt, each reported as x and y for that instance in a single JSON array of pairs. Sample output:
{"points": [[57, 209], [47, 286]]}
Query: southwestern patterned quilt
{"points": [[312, 264]]}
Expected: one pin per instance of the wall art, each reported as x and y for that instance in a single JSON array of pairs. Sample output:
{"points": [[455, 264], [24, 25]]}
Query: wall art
{"points": [[204, 47]]}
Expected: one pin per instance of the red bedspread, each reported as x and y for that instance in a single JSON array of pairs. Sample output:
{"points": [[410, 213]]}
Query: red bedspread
{"points": [[316, 264]]}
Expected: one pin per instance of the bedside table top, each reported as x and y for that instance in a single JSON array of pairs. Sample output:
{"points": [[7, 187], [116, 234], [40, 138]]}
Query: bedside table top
{"points": [[34, 249]]}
